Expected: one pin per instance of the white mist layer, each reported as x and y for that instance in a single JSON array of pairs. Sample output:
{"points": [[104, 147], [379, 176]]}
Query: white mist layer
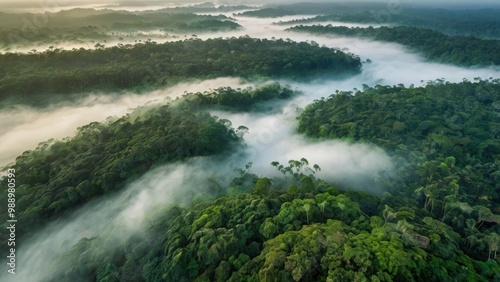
{"points": [[272, 138], [391, 63], [23, 128], [120, 216]]}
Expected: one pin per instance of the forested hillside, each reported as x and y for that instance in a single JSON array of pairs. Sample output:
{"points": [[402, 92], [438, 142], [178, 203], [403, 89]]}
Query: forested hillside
{"points": [[481, 23], [449, 20], [445, 137], [149, 65], [103, 157], [428, 125], [458, 50]]}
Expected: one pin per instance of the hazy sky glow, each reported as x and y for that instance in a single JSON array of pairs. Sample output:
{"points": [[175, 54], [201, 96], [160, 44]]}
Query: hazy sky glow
{"points": [[52, 3]]}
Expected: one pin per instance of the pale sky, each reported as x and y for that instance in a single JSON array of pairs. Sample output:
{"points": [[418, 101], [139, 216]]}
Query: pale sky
{"points": [[36, 4], [68, 2]]}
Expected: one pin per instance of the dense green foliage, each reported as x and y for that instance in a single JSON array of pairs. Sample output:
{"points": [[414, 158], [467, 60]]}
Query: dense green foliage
{"points": [[305, 231], [437, 121], [151, 65], [445, 138], [239, 100], [460, 50]]}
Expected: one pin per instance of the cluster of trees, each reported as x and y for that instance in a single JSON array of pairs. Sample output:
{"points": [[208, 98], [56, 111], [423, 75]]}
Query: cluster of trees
{"points": [[296, 228], [229, 99], [174, 22], [150, 65], [459, 50], [78, 25], [444, 138]]}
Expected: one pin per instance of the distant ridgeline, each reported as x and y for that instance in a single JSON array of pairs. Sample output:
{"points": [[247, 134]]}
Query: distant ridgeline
{"points": [[103, 157], [479, 23], [482, 23], [459, 50], [305, 8], [78, 25], [149, 65]]}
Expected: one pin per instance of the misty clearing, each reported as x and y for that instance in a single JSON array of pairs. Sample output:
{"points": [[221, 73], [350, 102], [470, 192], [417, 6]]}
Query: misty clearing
{"points": [[250, 141]]}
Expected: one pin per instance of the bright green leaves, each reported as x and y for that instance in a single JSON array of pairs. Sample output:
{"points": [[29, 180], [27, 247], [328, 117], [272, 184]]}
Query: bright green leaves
{"points": [[224, 238], [447, 167], [305, 211], [262, 186], [297, 252], [268, 229], [289, 214]]}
